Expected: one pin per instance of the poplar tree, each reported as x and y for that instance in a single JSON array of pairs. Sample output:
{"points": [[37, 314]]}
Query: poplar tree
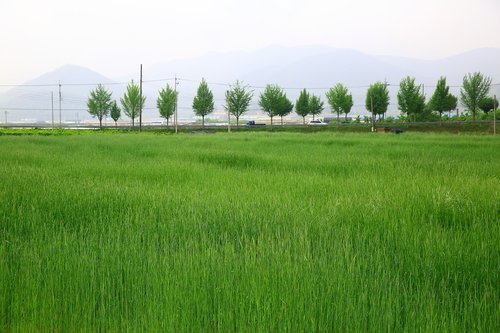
{"points": [[115, 113], [99, 103], [131, 101], [340, 100], [442, 100], [167, 99], [302, 105], [238, 100], [475, 87], [203, 102]]}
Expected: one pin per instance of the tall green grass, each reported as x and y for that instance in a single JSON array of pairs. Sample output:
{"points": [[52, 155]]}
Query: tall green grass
{"points": [[250, 232]]}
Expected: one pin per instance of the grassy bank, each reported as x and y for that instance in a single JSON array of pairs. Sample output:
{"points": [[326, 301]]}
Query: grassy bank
{"points": [[249, 232]]}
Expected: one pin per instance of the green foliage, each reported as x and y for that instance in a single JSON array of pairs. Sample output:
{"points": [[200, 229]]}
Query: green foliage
{"points": [[340, 100], [115, 112], [203, 102], [378, 96], [131, 101], [475, 87], [248, 232], [442, 100], [99, 103], [487, 104], [302, 105], [410, 101], [273, 102], [315, 106], [167, 99], [238, 100]]}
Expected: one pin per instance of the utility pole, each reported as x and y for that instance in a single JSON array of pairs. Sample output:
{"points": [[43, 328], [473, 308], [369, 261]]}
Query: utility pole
{"points": [[176, 82], [494, 115], [52, 102], [140, 103], [373, 115], [60, 98], [228, 121]]}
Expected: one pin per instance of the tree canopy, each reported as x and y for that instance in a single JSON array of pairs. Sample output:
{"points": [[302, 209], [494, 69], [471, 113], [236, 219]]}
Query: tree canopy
{"points": [[238, 100], [487, 104], [167, 99], [99, 103], [203, 102], [273, 102], [410, 100], [378, 96], [340, 100], [302, 105], [442, 100], [115, 112], [475, 87], [315, 106], [131, 101]]}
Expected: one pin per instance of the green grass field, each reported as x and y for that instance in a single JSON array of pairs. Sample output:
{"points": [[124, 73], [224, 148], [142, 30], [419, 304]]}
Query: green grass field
{"points": [[261, 232]]}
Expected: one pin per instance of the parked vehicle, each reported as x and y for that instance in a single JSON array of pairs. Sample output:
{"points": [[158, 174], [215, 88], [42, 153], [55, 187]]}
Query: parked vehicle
{"points": [[317, 123], [252, 123]]}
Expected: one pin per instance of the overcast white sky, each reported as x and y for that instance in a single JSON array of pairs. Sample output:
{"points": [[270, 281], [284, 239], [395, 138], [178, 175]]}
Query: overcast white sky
{"points": [[114, 36]]}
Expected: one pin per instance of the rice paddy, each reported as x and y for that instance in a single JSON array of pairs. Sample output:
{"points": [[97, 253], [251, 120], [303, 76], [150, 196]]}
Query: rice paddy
{"points": [[260, 232]]}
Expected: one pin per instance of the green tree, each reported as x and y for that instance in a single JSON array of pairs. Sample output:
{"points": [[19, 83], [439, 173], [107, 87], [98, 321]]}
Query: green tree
{"points": [[99, 103], [302, 105], [377, 99], [285, 107], [442, 100], [238, 100], [131, 101], [115, 113], [340, 100], [410, 99], [203, 102], [167, 98], [487, 104], [273, 102], [315, 106], [475, 87]]}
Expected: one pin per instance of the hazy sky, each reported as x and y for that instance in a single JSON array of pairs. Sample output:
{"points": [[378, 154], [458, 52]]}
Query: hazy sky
{"points": [[114, 36]]}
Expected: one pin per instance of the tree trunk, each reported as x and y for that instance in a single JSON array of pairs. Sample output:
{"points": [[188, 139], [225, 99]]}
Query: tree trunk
{"points": [[304, 120], [203, 121], [100, 123], [271, 121], [133, 122], [346, 117], [338, 117], [281, 120], [167, 121], [238, 121], [116, 124], [313, 116]]}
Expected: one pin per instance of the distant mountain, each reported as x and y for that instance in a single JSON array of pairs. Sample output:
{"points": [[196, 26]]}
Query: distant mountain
{"points": [[70, 74], [314, 67], [31, 101]]}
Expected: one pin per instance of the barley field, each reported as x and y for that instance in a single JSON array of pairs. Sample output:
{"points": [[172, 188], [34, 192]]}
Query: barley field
{"points": [[259, 232]]}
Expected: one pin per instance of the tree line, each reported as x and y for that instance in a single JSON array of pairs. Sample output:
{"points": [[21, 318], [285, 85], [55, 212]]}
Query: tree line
{"points": [[274, 102]]}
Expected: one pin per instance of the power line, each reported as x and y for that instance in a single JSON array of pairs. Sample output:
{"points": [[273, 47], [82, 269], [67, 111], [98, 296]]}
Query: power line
{"points": [[210, 83]]}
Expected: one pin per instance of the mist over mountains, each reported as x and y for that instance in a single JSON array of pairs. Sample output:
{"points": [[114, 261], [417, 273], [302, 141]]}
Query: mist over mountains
{"points": [[313, 67]]}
